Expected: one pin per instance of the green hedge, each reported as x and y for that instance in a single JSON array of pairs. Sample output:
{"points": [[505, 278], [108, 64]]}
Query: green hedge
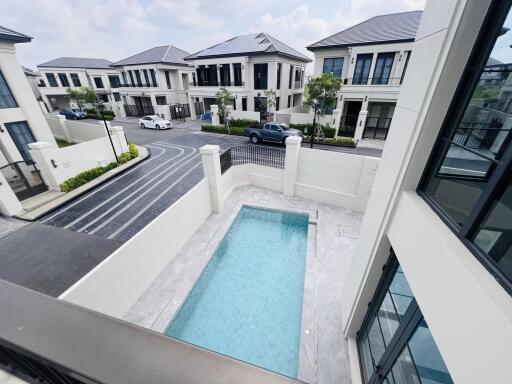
{"points": [[238, 131], [89, 175], [329, 132], [243, 123], [340, 140]]}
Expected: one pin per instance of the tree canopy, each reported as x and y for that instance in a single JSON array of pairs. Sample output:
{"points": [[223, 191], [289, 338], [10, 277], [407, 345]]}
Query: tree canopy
{"points": [[82, 95], [322, 92]]}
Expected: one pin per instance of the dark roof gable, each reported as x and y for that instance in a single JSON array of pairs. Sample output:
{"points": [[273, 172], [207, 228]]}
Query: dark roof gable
{"points": [[9, 34], [164, 54], [77, 62]]}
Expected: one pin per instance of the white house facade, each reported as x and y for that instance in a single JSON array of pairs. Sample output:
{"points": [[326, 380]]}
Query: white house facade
{"points": [[21, 122], [65, 73], [156, 82], [372, 59], [247, 66]]}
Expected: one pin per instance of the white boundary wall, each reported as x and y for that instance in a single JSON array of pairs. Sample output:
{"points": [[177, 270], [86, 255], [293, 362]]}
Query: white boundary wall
{"points": [[236, 114], [116, 283], [76, 131]]}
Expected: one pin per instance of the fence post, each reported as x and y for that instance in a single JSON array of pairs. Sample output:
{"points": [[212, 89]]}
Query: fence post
{"points": [[361, 123], [291, 164], [38, 151], [214, 109], [119, 139], [63, 123], [211, 169]]}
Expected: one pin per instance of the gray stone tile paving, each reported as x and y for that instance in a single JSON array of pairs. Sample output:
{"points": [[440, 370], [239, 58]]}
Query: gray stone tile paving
{"points": [[324, 354]]}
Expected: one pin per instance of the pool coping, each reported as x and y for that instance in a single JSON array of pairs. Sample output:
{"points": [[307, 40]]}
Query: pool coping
{"points": [[308, 336]]}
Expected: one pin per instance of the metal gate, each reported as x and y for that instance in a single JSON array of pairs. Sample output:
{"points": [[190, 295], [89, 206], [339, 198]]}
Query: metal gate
{"points": [[179, 111], [24, 179], [199, 108], [377, 128]]}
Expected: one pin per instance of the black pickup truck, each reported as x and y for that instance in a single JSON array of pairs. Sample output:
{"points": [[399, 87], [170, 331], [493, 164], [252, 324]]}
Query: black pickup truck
{"points": [[276, 132]]}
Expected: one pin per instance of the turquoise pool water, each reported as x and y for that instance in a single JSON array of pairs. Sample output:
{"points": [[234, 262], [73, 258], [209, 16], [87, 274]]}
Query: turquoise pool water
{"points": [[247, 304]]}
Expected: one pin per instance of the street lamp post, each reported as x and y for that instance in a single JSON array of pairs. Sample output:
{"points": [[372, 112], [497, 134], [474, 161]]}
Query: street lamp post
{"points": [[101, 108]]}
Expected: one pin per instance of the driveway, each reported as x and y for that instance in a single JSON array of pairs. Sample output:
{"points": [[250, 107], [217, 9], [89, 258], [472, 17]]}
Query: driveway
{"points": [[120, 208]]}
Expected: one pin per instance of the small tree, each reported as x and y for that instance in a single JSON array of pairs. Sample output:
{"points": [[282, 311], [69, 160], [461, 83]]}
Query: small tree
{"points": [[223, 101], [270, 95], [321, 97], [83, 95]]}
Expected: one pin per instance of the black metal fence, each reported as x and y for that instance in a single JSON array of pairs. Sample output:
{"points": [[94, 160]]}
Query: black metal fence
{"points": [[138, 110], [199, 108], [479, 136], [377, 128], [348, 125], [252, 154], [179, 111]]}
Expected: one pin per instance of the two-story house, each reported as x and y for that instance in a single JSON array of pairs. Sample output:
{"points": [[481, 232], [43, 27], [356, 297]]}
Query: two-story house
{"points": [[21, 122], [156, 81], [371, 58], [247, 66], [60, 74]]}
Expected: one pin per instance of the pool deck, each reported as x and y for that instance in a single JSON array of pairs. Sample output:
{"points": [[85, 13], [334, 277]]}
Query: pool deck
{"points": [[331, 240]]}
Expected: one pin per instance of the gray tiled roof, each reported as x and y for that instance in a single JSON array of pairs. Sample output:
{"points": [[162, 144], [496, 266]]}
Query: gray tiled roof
{"points": [[165, 54], [378, 29], [9, 34], [77, 62], [251, 44]]}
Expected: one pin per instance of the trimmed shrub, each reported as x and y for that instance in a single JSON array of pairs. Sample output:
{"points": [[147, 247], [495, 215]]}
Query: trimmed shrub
{"points": [[237, 131], [340, 140], [328, 131], [133, 150], [243, 123]]}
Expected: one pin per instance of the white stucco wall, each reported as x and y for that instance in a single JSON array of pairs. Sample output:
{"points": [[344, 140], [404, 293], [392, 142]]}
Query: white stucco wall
{"points": [[116, 283], [78, 131]]}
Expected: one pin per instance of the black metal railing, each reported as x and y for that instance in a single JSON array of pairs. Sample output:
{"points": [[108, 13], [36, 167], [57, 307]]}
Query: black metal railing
{"points": [[372, 81], [179, 111], [252, 154], [376, 128], [348, 125], [49, 341], [138, 110], [215, 83], [141, 85], [478, 136]]}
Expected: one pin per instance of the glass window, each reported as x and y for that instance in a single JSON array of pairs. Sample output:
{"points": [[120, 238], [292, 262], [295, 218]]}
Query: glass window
{"points": [[278, 82], [22, 136], [117, 96], [75, 79], [362, 70], [469, 176], [146, 78], [132, 80], [383, 67], [237, 74], [290, 77], [98, 82], [260, 76], [153, 77], [407, 57], [6, 97], [333, 65], [52, 80], [63, 80], [168, 79], [114, 81], [138, 77], [395, 342]]}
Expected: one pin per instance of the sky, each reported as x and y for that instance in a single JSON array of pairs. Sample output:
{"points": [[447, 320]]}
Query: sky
{"points": [[115, 29]]}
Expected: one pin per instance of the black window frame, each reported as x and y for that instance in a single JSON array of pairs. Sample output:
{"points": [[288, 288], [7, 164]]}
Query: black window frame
{"points": [[22, 149], [138, 77], [278, 99], [98, 82], [406, 327], [262, 81], [380, 78], [117, 96], [130, 74], [8, 93], [237, 74], [114, 81], [329, 68], [168, 79], [290, 77], [244, 103], [52, 80], [361, 79], [408, 54], [502, 173], [152, 74], [146, 77], [63, 78], [75, 79], [279, 70]]}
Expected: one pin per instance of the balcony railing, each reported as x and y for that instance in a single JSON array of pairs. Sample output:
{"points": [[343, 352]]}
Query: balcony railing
{"points": [[372, 81], [45, 340], [252, 154], [141, 85], [217, 84]]}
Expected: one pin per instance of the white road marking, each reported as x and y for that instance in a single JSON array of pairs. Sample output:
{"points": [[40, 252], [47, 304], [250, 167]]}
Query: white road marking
{"points": [[152, 202], [102, 187], [81, 217], [126, 206]]}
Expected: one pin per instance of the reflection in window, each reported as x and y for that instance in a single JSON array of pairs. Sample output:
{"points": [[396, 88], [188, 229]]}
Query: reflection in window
{"points": [[472, 162], [333, 65]]}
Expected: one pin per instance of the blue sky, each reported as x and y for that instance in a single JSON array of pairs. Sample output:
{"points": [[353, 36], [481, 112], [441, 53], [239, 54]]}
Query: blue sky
{"points": [[115, 29]]}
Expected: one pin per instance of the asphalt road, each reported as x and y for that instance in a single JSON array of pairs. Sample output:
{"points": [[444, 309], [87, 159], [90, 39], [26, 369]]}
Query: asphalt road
{"points": [[120, 208]]}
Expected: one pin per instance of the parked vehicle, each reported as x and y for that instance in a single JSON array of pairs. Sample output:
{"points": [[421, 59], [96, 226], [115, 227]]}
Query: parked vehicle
{"points": [[155, 122], [276, 132], [73, 114]]}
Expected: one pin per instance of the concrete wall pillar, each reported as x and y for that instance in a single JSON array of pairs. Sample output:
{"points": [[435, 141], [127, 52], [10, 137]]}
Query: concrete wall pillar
{"points": [[9, 203], [215, 114], [291, 163], [211, 169], [44, 163], [63, 123], [192, 107], [231, 74], [119, 139], [335, 120], [361, 122]]}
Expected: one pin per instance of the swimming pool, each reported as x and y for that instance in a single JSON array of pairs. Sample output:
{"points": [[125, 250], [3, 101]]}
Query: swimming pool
{"points": [[247, 304]]}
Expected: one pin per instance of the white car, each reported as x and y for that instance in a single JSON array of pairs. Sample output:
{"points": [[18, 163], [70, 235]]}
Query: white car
{"points": [[155, 122]]}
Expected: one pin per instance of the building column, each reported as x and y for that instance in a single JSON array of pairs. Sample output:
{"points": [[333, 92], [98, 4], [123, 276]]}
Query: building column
{"points": [[361, 122], [44, 163], [211, 169], [9, 203], [245, 70], [335, 120], [231, 74], [191, 105], [217, 67], [214, 109], [291, 164]]}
